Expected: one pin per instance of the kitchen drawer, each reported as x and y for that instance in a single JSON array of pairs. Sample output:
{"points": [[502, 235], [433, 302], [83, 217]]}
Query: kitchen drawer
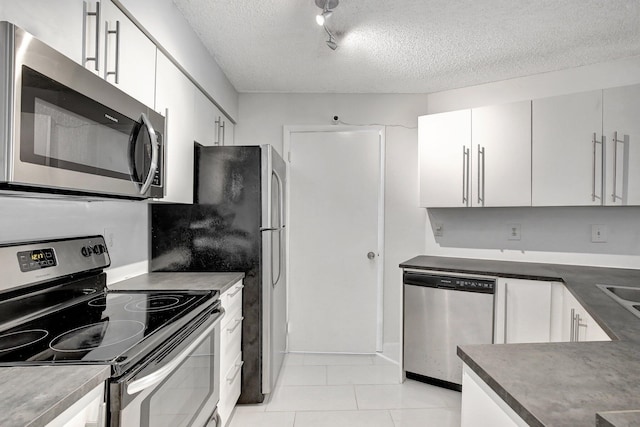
{"points": [[230, 341], [232, 298], [230, 389]]}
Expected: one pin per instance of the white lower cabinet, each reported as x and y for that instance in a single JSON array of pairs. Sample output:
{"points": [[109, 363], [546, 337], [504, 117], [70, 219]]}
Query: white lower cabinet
{"points": [[483, 406], [89, 411], [577, 323], [522, 311], [231, 351], [530, 311]]}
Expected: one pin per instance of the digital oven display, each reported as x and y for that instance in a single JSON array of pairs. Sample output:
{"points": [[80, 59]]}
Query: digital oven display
{"points": [[37, 259]]}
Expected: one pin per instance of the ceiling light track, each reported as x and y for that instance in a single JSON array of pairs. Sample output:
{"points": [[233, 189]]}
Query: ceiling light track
{"points": [[327, 7]]}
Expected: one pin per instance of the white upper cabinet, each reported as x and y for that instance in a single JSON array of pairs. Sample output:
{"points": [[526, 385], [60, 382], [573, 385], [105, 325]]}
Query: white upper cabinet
{"points": [[175, 98], [57, 23], [129, 56], [445, 159], [621, 131], [501, 169], [118, 51], [567, 166], [206, 115]]}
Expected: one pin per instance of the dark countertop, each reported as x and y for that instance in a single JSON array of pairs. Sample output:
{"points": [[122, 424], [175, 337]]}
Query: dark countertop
{"points": [[618, 419], [560, 384], [179, 281], [35, 395]]}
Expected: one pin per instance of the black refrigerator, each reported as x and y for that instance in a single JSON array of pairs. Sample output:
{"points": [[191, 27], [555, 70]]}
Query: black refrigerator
{"points": [[235, 224]]}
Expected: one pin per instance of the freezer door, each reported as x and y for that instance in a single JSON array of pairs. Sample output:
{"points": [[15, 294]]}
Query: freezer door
{"points": [[274, 267], [436, 322]]}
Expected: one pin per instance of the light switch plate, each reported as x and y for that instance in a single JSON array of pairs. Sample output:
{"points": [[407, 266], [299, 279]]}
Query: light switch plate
{"points": [[598, 233]]}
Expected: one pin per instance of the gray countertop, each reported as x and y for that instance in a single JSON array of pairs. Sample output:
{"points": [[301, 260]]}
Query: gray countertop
{"points": [[619, 419], [561, 384], [179, 281], [35, 395]]}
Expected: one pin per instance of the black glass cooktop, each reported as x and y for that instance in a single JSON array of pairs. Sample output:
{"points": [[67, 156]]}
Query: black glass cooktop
{"points": [[96, 326]]}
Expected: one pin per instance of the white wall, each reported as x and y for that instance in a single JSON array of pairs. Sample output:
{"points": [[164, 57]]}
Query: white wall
{"points": [[550, 235], [261, 121], [26, 219]]}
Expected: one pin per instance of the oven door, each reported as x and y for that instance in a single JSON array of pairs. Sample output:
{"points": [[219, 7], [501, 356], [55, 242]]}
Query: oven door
{"points": [[179, 385]]}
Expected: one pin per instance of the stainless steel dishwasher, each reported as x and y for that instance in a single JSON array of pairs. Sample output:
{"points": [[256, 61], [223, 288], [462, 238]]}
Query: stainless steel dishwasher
{"points": [[442, 312]]}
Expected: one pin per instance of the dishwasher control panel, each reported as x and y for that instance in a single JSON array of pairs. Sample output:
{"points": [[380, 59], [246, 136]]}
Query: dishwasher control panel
{"points": [[469, 284]]}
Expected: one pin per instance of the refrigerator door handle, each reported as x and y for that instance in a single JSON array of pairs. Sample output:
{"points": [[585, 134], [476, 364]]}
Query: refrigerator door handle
{"points": [[271, 228], [275, 281]]}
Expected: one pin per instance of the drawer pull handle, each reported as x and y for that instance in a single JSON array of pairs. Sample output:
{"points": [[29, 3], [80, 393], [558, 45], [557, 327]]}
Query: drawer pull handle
{"points": [[235, 374], [236, 292], [238, 323]]}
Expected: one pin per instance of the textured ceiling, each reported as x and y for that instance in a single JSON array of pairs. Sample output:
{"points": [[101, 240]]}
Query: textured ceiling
{"points": [[408, 46]]}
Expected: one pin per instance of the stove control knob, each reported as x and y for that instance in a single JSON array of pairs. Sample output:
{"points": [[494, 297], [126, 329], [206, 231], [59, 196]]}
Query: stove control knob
{"points": [[86, 251]]}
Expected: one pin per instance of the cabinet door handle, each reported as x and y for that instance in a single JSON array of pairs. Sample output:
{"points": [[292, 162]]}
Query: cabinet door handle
{"points": [[107, 33], [238, 323], [235, 374], [466, 161], [217, 123], [480, 175], [572, 334], [223, 138], [616, 141], [96, 56], [593, 182], [236, 292], [506, 287]]}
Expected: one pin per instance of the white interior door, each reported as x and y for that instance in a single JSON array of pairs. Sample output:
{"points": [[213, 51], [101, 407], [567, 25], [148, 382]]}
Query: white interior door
{"points": [[334, 219]]}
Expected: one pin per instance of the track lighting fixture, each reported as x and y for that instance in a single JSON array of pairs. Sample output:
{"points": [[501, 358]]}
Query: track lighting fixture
{"points": [[327, 7]]}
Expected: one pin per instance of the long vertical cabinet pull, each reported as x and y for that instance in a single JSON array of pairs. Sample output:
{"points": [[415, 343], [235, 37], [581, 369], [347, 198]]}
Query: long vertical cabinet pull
{"points": [[506, 295], [572, 333], [107, 33], [96, 56], [616, 141], [222, 126], [217, 123], [595, 142], [480, 175], [465, 153]]}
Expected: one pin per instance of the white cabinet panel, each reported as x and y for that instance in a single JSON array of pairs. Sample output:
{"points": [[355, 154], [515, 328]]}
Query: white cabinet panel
{"points": [[230, 350], [445, 158], [567, 167], [130, 54], [501, 169], [621, 115], [175, 98], [206, 115], [57, 23], [481, 406], [88, 411], [522, 311]]}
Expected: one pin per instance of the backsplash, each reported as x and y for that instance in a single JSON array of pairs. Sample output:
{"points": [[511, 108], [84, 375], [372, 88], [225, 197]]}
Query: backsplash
{"points": [[546, 229], [126, 222]]}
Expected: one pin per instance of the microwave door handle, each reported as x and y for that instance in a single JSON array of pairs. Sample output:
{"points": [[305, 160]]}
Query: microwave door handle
{"points": [[155, 377], [154, 153]]}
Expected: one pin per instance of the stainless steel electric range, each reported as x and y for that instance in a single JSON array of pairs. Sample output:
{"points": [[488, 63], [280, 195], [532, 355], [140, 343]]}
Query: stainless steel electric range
{"points": [[163, 347]]}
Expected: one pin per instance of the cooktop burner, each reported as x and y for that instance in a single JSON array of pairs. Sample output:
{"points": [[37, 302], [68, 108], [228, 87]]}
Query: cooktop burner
{"points": [[14, 340], [158, 303], [112, 299], [100, 334]]}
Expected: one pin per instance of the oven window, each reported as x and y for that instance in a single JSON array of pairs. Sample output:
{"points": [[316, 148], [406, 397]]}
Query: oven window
{"points": [[62, 128], [179, 399]]}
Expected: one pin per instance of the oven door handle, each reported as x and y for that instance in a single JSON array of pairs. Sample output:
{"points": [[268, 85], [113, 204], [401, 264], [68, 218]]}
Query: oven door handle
{"points": [[153, 378]]}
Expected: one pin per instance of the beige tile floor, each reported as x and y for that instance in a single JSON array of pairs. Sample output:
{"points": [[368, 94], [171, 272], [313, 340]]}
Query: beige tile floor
{"points": [[323, 390]]}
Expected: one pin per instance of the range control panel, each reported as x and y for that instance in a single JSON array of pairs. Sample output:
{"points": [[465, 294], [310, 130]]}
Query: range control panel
{"points": [[37, 259]]}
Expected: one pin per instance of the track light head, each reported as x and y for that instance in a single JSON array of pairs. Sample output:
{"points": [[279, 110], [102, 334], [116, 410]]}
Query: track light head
{"points": [[322, 18]]}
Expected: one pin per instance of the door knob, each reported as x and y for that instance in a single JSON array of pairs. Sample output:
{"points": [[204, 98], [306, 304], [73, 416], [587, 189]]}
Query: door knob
{"points": [[371, 255]]}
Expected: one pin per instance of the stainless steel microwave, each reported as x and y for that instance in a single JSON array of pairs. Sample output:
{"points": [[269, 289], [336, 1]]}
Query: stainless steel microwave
{"points": [[65, 130]]}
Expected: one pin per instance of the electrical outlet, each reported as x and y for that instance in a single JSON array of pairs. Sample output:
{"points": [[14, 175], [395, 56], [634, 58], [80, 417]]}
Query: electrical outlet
{"points": [[109, 237], [514, 232], [598, 233], [438, 229]]}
